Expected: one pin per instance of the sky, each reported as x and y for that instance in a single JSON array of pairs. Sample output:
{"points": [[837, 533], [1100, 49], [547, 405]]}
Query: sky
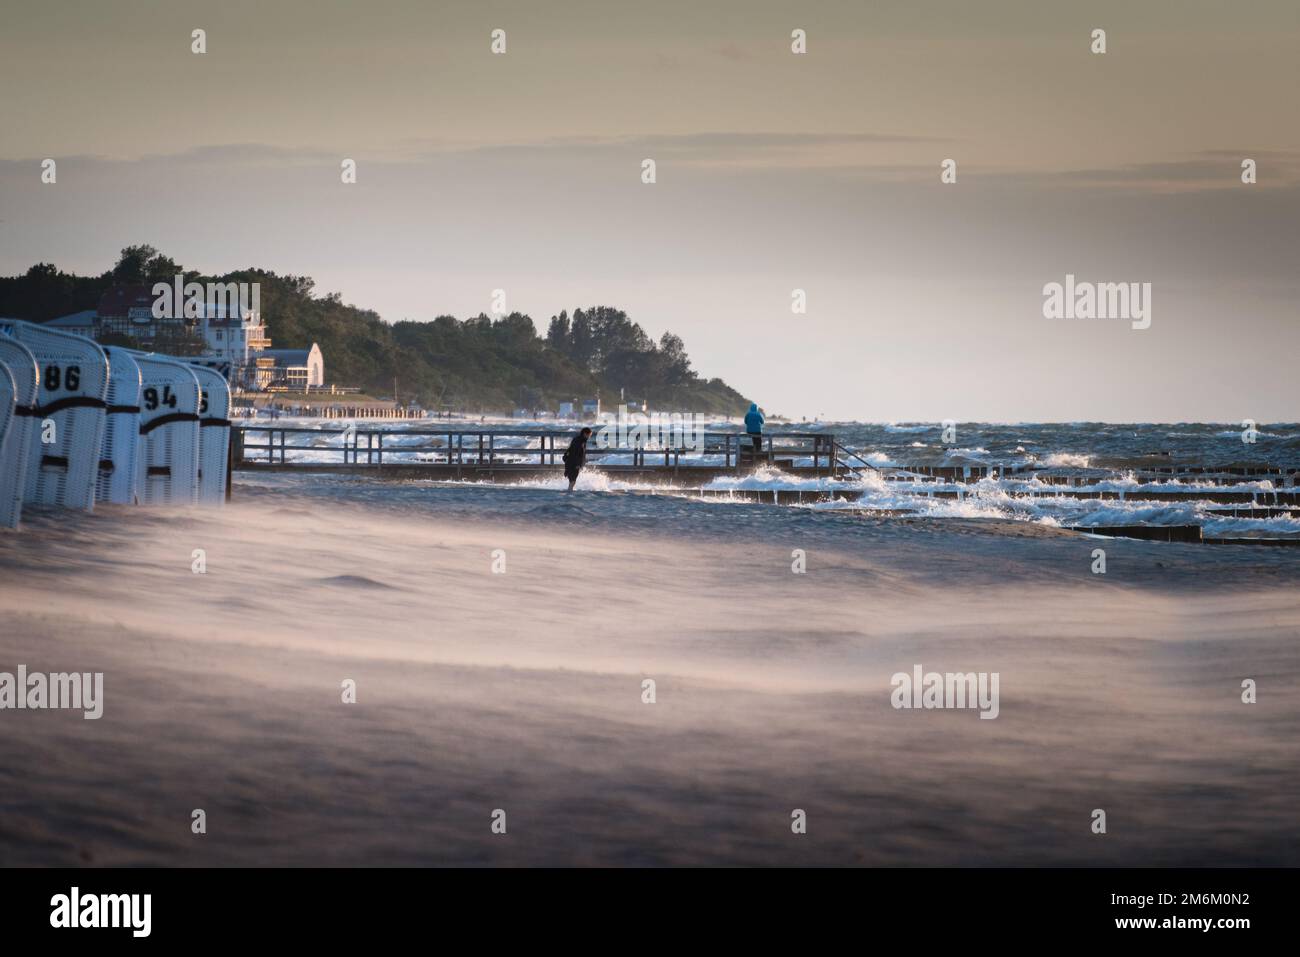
{"points": [[775, 172]]}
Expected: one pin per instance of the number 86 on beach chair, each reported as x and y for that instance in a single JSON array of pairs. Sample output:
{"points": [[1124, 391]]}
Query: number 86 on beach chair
{"points": [[63, 457]]}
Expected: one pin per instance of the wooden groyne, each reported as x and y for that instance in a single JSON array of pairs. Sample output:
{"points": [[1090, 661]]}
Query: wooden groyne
{"points": [[1051, 475], [1178, 533]]}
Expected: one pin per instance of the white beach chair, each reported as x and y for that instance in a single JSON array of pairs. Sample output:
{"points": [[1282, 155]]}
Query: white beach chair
{"points": [[16, 449], [8, 393], [72, 391], [167, 460], [116, 481], [214, 434]]}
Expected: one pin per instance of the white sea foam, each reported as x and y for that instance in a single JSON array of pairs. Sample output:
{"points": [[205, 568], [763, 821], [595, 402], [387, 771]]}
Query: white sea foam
{"points": [[1068, 460], [1259, 434], [769, 478]]}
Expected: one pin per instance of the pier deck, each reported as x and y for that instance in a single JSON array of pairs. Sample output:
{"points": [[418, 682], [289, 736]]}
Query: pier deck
{"points": [[512, 455]]}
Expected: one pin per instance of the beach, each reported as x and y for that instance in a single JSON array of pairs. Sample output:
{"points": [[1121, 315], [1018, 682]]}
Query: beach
{"points": [[499, 641]]}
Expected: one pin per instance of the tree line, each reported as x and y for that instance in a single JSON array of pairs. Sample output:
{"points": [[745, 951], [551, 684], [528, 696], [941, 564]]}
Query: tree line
{"points": [[478, 364]]}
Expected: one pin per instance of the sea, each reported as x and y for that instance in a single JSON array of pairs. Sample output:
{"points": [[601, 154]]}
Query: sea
{"points": [[1049, 466]]}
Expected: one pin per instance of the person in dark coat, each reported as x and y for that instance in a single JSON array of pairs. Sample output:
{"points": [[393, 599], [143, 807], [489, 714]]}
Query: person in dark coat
{"points": [[576, 457]]}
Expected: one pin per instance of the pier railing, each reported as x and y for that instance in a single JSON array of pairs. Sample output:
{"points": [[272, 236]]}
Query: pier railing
{"points": [[505, 449]]}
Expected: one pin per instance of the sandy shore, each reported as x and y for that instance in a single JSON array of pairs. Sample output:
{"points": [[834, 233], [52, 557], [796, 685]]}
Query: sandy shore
{"points": [[523, 691]]}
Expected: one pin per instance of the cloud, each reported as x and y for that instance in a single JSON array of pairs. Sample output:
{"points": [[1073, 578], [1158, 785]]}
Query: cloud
{"points": [[706, 148], [1205, 170], [734, 51], [227, 155]]}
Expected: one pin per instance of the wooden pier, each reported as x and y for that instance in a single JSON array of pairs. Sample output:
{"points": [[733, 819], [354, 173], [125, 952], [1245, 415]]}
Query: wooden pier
{"points": [[511, 455]]}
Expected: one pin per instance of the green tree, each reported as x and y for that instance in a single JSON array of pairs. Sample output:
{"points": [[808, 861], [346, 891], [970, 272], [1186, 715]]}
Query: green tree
{"points": [[475, 365]]}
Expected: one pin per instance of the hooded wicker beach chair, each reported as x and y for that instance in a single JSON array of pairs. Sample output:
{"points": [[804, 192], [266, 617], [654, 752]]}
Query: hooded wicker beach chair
{"points": [[116, 481], [167, 460], [63, 459], [16, 448], [214, 434]]}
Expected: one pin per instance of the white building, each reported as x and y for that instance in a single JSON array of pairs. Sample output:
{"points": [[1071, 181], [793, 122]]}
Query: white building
{"points": [[233, 334], [297, 369]]}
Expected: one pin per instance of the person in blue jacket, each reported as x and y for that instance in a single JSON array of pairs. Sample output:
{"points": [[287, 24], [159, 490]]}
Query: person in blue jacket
{"points": [[754, 426]]}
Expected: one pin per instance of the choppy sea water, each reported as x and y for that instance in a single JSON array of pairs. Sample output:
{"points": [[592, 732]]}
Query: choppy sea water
{"points": [[1114, 459], [1073, 444]]}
